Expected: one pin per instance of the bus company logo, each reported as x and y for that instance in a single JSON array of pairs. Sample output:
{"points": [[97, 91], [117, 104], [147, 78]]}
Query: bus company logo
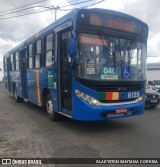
{"points": [[121, 96], [6, 161]]}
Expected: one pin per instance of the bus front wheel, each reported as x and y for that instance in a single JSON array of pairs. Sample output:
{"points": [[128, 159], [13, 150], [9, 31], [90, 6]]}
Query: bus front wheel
{"points": [[49, 107]]}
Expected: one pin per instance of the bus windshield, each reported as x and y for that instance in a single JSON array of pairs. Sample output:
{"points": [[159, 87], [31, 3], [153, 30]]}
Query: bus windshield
{"points": [[110, 58]]}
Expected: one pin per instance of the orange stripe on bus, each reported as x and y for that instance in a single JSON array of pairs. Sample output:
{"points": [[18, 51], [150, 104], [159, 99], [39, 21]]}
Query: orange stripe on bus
{"points": [[115, 96]]}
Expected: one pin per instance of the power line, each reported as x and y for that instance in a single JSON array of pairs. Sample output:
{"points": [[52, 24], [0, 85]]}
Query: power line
{"points": [[25, 9], [11, 6], [94, 4], [77, 3], [59, 8], [84, 6], [25, 14], [51, 8], [12, 10], [24, 5]]}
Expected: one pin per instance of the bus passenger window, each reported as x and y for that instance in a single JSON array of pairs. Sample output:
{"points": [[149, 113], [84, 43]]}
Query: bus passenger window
{"points": [[17, 65], [37, 61], [12, 62], [17, 60], [30, 53], [30, 62], [5, 63], [30, 50], [49, 42], [38, 47], [49, 59], [49, 55], [38, 55], [11, 57]]}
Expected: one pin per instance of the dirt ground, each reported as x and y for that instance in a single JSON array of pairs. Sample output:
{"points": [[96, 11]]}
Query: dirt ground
{"points": [[27, 132]]}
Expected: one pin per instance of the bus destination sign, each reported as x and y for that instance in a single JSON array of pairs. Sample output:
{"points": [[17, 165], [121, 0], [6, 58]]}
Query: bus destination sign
{"points": [[110, 21], [115, 23]]}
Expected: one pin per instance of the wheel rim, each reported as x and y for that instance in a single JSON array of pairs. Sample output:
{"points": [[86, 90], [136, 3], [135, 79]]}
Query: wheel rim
{"points": [[50, 107]]}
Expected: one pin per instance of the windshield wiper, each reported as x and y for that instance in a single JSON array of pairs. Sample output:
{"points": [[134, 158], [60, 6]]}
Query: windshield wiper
{"points": [[103, 41], [109, 50]]}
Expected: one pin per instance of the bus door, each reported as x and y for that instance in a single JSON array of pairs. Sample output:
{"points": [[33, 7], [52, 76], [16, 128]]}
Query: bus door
{"points": [[8, 73], [23, 71], [65, 73]]}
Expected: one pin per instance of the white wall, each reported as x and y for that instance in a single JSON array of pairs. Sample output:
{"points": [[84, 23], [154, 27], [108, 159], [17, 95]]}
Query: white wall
{"points": [[153, 74], [1, 75]]}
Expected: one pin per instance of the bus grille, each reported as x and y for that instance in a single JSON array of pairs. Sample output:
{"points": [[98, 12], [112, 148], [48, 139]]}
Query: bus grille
{"points": [[112, 86], [115, 88]]}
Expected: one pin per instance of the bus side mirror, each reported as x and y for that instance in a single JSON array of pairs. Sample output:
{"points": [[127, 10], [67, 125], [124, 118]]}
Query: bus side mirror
{"points": [[72, 48]]}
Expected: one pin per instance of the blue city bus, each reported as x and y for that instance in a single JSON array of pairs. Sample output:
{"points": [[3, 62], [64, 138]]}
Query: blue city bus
{"points": [[88, 65]]}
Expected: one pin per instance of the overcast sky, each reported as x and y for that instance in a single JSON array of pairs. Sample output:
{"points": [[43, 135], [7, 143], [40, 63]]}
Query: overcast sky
{"points": [[16, 30]]}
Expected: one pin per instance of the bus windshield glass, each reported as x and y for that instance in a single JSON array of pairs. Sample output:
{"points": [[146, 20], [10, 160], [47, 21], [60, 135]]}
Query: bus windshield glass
{"points": [[110, 58]]}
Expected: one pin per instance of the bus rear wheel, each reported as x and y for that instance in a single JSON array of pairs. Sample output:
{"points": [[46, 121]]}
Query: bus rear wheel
{"points": [[49, 107]]}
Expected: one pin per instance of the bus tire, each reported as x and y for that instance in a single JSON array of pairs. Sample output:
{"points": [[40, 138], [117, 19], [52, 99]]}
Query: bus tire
{"points": [[17, 98], [49, 108]]}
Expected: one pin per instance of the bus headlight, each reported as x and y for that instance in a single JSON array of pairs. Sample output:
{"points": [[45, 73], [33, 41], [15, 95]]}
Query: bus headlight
{"points": [[94, 102], [87, 98], [140, 98]]}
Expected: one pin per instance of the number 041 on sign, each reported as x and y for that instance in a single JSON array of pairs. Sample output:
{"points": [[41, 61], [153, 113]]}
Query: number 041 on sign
{"points": [[109, 73]]}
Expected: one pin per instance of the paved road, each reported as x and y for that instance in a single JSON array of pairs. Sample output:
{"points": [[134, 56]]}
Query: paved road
{"points": [[26, 131]]}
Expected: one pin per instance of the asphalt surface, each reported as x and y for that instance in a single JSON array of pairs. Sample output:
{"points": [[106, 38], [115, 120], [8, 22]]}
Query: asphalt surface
{"points": [[27, 132]]}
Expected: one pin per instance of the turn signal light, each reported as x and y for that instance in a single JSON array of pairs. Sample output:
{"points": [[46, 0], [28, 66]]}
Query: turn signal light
{"points": [[78, 92]]}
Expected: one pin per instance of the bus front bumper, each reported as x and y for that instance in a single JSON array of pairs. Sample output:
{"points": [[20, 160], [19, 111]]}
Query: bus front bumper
{"points": [[86, 112]]}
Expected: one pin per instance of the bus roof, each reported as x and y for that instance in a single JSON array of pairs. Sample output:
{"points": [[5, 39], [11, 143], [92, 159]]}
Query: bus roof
{"points": [[71, 15]]}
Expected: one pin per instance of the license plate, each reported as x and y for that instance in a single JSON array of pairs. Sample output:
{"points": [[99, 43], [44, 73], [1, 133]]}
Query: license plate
{"points": [[121, 110], [153, 101]]}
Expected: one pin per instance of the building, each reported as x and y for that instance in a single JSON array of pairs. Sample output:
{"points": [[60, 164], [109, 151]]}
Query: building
{"points": [[153, 71], [1, 75]]}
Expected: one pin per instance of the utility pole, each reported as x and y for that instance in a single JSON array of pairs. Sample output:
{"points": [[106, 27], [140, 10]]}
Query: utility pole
{"points": [[55, 9]]}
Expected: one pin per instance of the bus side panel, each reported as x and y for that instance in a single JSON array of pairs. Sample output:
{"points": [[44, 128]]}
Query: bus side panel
{"points": [[47, 80], [26, 86], [18, 84], [37, 81], [55, 91], [16, 81], [43, 83], [11, 80], [54, 99], [31, 85]]}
